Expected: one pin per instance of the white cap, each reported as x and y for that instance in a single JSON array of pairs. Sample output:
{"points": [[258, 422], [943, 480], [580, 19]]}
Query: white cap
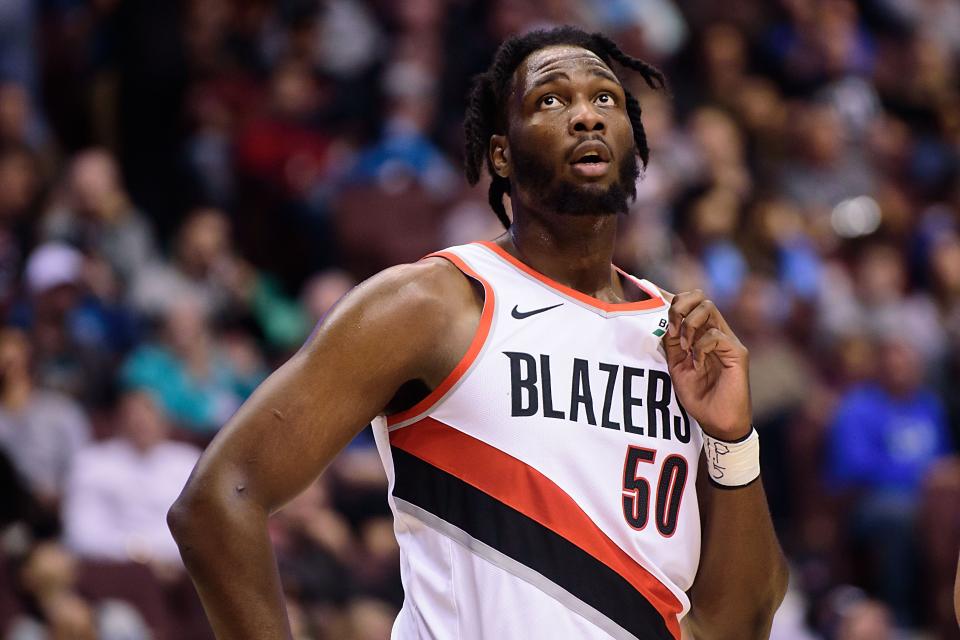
{"points": [[51, 265]]}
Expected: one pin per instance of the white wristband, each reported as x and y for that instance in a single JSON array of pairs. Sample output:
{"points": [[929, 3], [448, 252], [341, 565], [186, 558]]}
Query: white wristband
{"points": [[733, 464]]}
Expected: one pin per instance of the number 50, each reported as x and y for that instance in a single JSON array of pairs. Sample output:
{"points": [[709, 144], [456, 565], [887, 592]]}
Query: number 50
{"points": [[636, 490]]}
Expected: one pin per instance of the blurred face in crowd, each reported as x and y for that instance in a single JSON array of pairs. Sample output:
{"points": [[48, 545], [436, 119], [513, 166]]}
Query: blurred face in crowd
{"points": [[945, 264], [94, 182], [724, 49], [323, 291], [901, 368], [204, 239], [18, 183], [757, 305], [760, 107], [295, 91], [141, 420], [822, 135], [419, 15], [868, 620], [14, 354], [717, 135], [186, 325], [881, 274], [778, 221], [836, 31], [14, 112], [570, 142], [71, 618], [508, 17], [48, 570], [856, 358], [658, 118], [716, 214]]}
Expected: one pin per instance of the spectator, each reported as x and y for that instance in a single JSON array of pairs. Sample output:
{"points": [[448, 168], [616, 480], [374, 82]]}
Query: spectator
{"points": [[189, 370], [878, 301], [825, 171], [323, 291], [19, 186], [803, 170], [884, 438], [119, 490], [100, 217], [74, 336], [205, 266], [40, 430], [48, 578]]}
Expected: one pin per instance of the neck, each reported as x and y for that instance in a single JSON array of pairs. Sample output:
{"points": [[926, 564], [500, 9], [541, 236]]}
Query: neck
{"points": [[574, 250]]}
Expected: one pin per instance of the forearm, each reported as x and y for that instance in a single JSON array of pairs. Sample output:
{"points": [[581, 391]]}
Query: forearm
{"points": [[956, 593], [743, 575], [229, 556]]}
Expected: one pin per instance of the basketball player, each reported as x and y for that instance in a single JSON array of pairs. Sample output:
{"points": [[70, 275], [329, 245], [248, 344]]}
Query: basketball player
{"points": [[540, 414]]}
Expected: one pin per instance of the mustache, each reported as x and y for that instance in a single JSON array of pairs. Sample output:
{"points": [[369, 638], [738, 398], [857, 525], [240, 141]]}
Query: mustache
{"points": [[536, 176]]}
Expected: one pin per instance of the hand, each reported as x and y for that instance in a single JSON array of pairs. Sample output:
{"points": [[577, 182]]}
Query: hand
{"points": [[709, 367]]}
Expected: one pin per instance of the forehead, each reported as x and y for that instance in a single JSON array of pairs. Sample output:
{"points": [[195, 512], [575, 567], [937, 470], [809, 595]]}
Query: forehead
{"points": [[558, 58]]}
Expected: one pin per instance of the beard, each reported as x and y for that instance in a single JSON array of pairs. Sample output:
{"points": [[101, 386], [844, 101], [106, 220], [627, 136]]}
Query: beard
{"points": [[555, 194]]}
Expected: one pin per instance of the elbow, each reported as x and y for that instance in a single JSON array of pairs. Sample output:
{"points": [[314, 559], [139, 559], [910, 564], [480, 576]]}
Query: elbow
{"points": [[747, 615], [193, 513], [770, 601], [781, 581], [779, 584], [180, 518], [183, 518], [207, 505]]}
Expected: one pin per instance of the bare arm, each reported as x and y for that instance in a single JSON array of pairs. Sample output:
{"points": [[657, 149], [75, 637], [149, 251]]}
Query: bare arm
{"points": [[743, 575], [956, 593], [380, 336]]}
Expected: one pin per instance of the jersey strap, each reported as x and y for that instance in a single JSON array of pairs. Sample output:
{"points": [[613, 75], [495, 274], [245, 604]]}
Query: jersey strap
{"points": [[469, 358]]}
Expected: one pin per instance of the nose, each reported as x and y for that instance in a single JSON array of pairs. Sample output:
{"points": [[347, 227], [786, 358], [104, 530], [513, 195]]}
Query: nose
{"points": [[586, 118]]}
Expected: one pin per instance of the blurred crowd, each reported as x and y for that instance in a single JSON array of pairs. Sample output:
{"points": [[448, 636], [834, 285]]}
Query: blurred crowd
{"points": [[187, 187]]}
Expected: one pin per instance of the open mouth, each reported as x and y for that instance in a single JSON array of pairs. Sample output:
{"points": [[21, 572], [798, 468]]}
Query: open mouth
{"points": [[591, 159]]}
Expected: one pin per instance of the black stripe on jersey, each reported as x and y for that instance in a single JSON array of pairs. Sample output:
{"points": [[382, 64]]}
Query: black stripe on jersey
{"points": [[528, 542]]}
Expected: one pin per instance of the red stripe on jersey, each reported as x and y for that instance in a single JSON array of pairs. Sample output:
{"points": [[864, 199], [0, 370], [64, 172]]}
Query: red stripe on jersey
{"points": [[528, 491]]}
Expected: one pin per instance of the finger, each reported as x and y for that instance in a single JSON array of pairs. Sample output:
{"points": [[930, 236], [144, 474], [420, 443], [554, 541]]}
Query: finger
{"points": [[683, 303], [701, 318], [715, 341], [671, 346]]}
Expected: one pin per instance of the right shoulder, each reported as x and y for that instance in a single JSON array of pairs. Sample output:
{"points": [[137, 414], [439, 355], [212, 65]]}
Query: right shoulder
{"points": [[409, 307], [429, 285]]}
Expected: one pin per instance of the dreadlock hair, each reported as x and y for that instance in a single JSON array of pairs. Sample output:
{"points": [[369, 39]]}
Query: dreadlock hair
{"points": [[486, 112]]}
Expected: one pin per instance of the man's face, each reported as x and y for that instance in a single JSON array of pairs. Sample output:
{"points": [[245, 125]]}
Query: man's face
{"points": [[571, 146]]}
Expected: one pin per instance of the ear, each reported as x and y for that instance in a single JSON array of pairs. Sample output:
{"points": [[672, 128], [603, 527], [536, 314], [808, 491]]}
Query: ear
{"points": [[500, 155]]}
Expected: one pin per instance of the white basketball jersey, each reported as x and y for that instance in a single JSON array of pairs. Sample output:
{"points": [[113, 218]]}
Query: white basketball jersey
{"points": [[546, 488]]}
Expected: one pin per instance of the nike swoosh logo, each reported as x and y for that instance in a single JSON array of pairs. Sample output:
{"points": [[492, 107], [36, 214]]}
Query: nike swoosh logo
{"points": [[520, 315]]}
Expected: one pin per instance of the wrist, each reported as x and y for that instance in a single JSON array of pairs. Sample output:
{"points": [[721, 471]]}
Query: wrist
{"points": [[728, 434], [733, 463]]}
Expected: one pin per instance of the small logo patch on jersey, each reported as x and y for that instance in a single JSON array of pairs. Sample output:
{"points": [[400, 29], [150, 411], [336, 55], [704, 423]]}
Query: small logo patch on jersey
{"points": [[520, 315], [662, 329]]}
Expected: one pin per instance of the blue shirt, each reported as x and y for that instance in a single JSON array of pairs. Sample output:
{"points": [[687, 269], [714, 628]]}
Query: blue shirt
{"points": [[879, 442]]}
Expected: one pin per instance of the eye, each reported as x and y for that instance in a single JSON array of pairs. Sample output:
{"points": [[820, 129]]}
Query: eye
{"points": [[550, 102], [605, 99]]}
